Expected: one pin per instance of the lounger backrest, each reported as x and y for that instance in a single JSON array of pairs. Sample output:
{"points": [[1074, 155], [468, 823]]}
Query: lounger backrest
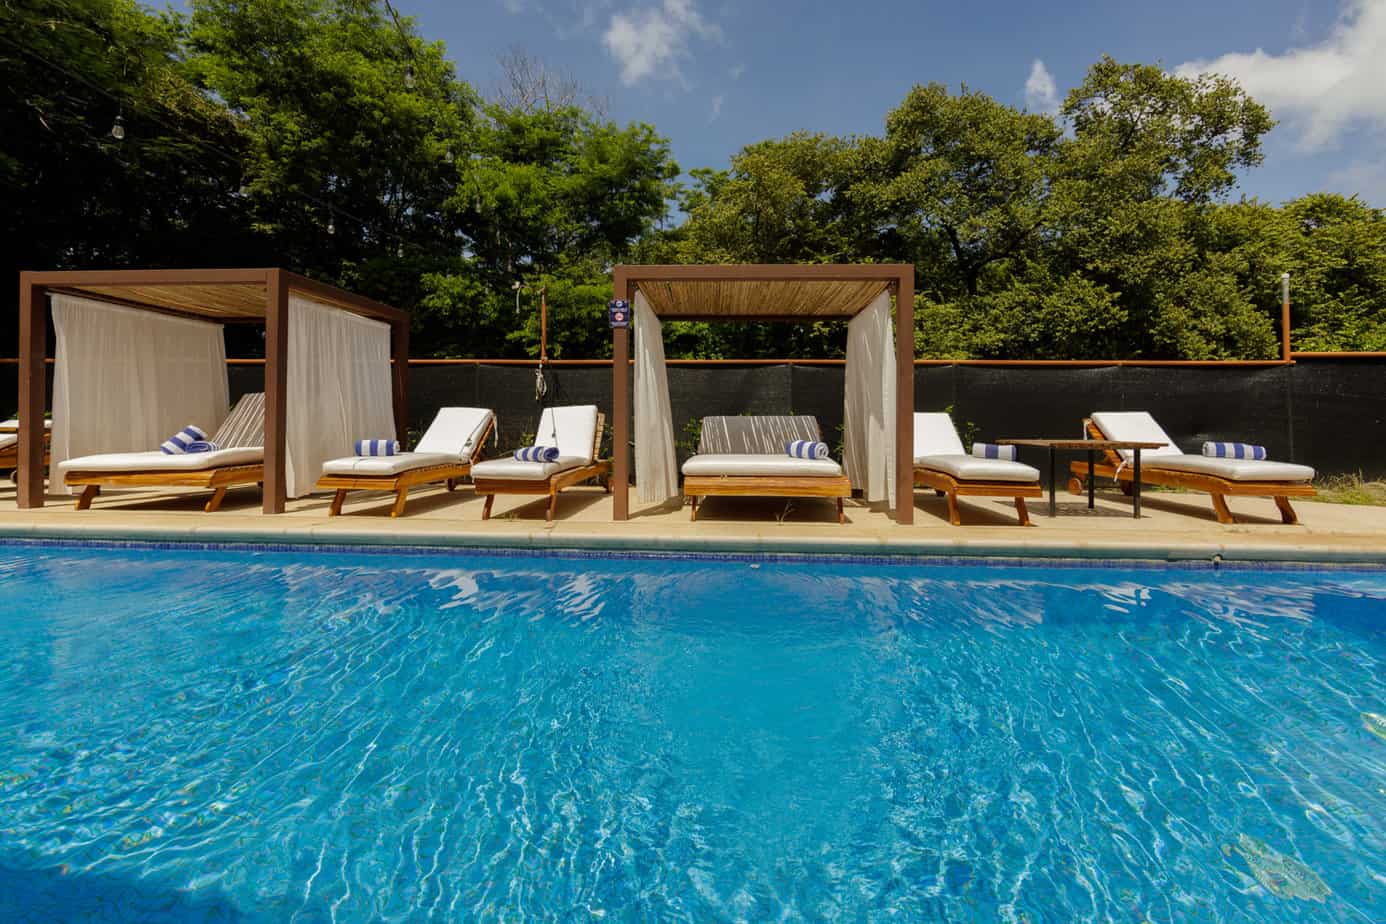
{"points": [[765, 435], [572, 429], [457, 431], [244, 427], [1137, 426], [935, 435]]}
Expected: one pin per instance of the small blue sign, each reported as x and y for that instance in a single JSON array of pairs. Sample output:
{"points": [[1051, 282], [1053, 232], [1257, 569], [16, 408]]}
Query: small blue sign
{"points": [[618, 312]]}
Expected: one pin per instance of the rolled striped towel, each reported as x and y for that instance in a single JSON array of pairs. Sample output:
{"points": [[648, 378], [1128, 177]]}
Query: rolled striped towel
{"points": [[537, 454], [377, 447], [1234, 451], [177, 444], [806, 449], [201, 446], [993, 451]]}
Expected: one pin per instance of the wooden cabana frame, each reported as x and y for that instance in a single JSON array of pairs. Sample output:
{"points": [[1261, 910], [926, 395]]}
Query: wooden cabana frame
{"points": [[227, 296], [766, 292]]}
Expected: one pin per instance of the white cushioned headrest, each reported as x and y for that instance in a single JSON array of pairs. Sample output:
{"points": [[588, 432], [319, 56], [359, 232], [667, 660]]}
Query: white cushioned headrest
{"points": [[1138, 427], [935, 435], [572, 429], [455, 431]]}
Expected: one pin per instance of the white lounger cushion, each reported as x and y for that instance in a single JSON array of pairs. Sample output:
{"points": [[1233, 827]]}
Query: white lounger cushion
{"points": [[514, 470], [156, 461], [455, 431], [1137, 427], [714, 464], [935, 435], [13, 424], [387, 465], [7, 440], [1231, 469], [573, 430], [971, 468]]}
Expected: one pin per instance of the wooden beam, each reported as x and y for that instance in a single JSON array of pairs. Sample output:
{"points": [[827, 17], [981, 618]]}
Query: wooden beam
{"points": [[276, 390], [341, 298], [33, 387], [761, 272], [159, 277], [904, 396], [399, 378], [620, 404]]}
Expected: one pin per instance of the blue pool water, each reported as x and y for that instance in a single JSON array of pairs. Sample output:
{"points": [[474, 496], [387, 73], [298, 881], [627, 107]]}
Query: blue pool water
{"points": [[234, 735]]}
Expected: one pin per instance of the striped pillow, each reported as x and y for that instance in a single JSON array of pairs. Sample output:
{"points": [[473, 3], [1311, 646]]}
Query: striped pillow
{"points": [[537, 454], [993, 451], [806, 449], [178, 443], [1234, 451], [377, 447]]}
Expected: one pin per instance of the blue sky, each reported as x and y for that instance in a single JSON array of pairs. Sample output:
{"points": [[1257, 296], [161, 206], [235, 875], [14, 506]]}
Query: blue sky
{"points": [[714, 75]]}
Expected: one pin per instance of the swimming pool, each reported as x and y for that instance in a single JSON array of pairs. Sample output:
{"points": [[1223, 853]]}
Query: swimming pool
{"points": [[349, 736]]}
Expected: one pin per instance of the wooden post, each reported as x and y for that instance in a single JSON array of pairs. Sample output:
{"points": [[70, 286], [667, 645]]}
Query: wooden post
{"points": [[620, 405], [33, 387], [399, 378], [276, 389], [904, 398], [1285, 316]]}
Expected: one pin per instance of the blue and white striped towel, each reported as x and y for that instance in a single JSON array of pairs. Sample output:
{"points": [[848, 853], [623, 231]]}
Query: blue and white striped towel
{"points": [[377, 447], [537, 454], [178, 443], [806, 449], [1234, 451], [201, 446], [993, 451]]}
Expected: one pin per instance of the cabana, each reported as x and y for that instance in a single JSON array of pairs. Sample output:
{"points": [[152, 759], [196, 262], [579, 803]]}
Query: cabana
{"points": [[879, 403], [141, 353]]}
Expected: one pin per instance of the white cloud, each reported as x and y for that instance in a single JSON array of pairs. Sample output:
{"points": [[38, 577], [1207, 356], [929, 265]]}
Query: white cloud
{"points": [[1321, 89], [513, 7], [1366, 178], [736, 71], [716, 109], [1041, 93], [651, 41]]}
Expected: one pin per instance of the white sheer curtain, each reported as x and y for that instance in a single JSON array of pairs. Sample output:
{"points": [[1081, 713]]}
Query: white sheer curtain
{"points": [[338, 388], [869, 410], [126, 380], [656, 476]]}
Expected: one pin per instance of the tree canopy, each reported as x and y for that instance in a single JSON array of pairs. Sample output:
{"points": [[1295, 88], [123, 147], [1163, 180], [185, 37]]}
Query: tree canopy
{"points": [[329, 137]]}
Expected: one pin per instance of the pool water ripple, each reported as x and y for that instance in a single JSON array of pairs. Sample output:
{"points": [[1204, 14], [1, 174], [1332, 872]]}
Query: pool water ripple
{"points": [[279, 736]]}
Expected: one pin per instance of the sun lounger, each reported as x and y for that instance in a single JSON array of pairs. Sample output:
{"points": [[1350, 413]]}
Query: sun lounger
{"points": [[241, 460], [445, 453], [576, 432], [1171, 467], [9, 444], [941, 463], [745, 457]]}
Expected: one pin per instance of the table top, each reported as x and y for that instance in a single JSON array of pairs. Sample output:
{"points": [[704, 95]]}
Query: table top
{"points": [[1082, 444]]}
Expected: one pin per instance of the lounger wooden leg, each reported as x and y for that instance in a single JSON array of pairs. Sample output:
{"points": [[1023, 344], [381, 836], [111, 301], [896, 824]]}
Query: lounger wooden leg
{"points": [[84, 499], [841, 516], [486, 510], [401, 498], [337, 500], [452, 484], [1287, 513], [1023, 512], [214, 503], [938, 493], [953, 516], [693, 510], [1221, 509], [553, 503]]}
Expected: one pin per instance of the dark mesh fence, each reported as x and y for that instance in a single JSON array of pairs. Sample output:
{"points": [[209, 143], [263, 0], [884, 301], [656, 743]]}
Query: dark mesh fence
{"points": [[1330, 414]]}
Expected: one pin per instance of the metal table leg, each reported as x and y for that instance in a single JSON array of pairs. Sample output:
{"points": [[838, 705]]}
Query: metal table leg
{"points": [[1053, 497], [1136, 483], [1091, 482]]}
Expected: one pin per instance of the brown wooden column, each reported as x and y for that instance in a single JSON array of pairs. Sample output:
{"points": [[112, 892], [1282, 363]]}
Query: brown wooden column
{"points": [[33, 388], [904, 398], [620, 405], [276, 388], [399, 378]]}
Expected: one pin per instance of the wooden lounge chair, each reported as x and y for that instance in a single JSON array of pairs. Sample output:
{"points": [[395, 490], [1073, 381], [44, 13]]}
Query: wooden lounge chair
{"points": [[9, 444], [745, 457], [445, 453], [577, 434], [240, 461], [1171, 467], [941, 463]]}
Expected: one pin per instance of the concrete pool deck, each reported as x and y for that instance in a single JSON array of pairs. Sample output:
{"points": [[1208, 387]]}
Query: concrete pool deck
{"points": [[1174, 527]]}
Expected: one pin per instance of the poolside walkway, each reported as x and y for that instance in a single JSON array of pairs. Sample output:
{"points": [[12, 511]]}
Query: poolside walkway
{"points": [[1173, 527]]}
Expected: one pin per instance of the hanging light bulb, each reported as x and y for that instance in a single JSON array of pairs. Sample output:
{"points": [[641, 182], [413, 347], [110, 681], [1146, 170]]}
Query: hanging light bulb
{"points": [[243, 191], [399, 251], [118, 128], [331, 225], [447, 157], [409, 76]]}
